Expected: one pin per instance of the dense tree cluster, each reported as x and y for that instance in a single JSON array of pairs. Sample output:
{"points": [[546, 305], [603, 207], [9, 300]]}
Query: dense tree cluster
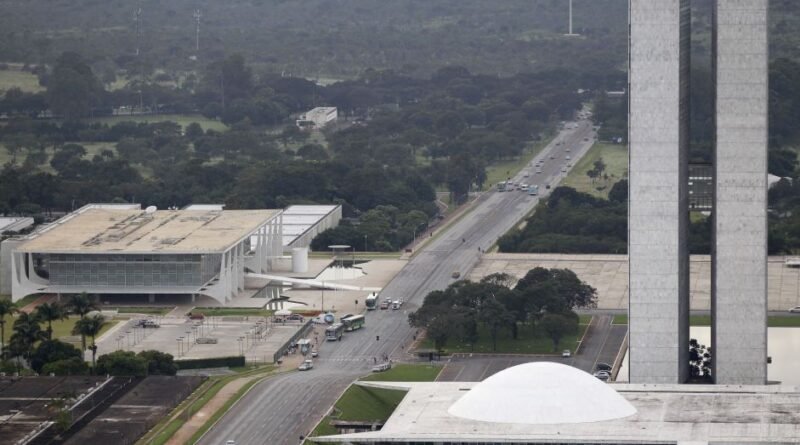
{"points": [[574, 222], [543, 299]]}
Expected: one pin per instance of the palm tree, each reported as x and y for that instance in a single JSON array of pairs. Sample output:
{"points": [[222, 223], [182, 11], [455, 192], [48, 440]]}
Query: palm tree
{"points": [[26, 333], [90, 326], [6, 308], [50, 312], [81, 304]]}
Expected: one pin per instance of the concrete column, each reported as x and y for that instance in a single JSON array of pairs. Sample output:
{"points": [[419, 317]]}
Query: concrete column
{"points": [[739, 260], [658, 212], [151, 298]]}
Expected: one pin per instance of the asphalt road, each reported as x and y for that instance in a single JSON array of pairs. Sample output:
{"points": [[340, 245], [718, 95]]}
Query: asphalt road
{"points": [[284, 408]]}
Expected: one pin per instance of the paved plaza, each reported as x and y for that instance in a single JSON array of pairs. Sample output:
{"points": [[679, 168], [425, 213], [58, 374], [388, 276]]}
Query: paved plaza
{"points": [[609, 275], [258, 339]]}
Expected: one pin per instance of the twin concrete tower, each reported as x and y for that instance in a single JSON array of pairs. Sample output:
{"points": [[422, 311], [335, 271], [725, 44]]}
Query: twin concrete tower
{"points": [[659, 191]]}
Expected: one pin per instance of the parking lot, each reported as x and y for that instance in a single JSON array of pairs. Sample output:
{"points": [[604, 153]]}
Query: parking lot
{"points": [[256, 338]]}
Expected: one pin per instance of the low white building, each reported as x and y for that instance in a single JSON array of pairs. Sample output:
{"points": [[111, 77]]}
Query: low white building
{"points": [[127, 250], [317, 118]]}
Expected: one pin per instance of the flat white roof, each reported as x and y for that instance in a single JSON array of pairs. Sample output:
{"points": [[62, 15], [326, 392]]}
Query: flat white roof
{"points": [[664, 414], [109, 230], [15, 223], [298, 219]]}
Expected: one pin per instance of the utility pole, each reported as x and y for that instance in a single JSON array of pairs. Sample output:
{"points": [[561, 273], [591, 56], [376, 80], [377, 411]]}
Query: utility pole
{"points": [[197, 16], [570, 33]]}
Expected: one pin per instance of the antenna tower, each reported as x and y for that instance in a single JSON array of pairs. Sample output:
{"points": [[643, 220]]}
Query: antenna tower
{"points": [[137, 17], [197, 16]]}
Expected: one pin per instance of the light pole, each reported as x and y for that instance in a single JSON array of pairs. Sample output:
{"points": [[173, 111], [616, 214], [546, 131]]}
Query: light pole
{"points": [[180, 346], [365, 243]]}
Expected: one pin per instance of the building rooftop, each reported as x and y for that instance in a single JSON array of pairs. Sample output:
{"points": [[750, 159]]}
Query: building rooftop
{"points": [[679, 414], [298, 219], [14, 224], [563, 394], [114, 230]]}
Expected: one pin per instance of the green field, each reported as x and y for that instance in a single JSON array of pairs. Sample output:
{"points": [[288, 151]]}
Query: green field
{"points": [[406, 373], [25, 81], [616, 159], [529, 342], [182, 120], [232, 311]]}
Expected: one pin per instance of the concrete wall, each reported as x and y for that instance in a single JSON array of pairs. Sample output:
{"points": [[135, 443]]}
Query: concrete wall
{"points": [[739, 268], [5, 264], [658, 211]]}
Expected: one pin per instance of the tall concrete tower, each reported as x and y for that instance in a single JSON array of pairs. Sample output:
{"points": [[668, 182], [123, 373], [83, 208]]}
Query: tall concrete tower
{"points": [[658, 215], [660, 33], [739, 260]]}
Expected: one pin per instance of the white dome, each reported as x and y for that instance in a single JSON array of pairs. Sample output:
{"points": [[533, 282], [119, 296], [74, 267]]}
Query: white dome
{"points": [[542, 393]]}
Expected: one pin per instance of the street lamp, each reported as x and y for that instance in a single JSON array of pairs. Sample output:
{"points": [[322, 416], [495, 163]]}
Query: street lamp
{"points": [[365, 243]]}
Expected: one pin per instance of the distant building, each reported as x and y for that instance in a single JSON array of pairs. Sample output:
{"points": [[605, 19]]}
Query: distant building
{"points": [[14, 224], [317, 118]]}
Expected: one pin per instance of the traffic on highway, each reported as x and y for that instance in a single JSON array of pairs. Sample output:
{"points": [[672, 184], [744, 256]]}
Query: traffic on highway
{"points": [[285, 408]]}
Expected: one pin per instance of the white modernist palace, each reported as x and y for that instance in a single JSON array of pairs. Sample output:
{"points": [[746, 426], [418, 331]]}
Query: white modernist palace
{"points": [[317, 118], [122, 249]]}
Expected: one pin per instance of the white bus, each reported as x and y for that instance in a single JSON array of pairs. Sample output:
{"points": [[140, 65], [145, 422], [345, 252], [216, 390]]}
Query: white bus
{"points": [[372, 301]]}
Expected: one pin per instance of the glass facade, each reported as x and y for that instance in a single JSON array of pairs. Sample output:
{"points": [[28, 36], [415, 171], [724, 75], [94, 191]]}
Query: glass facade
{"points": [[129, 270]]}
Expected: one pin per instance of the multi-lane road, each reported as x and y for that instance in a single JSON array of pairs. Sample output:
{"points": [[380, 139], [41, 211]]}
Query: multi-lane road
{"points": [[284, 408]]}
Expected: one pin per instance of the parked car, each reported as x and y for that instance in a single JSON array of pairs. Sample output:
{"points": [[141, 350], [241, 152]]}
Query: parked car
{"points": [[196, 316], [566, 353], [795, 310], [314, 353], [306, 365], [294, 317]]}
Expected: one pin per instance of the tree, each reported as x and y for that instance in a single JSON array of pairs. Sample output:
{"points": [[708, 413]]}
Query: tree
{"points": [[68, 366], [159, 363], [26, 332], [495, 316], [50, 312], [6, 308], [556, 326], [49, 351], [72, 88], [90, 326], [121, 363], [81, 304]]}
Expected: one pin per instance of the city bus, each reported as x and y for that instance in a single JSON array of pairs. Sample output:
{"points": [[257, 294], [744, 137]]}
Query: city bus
{"points": [[334, 332], [372, 301], [354, 322], [501, 186]]}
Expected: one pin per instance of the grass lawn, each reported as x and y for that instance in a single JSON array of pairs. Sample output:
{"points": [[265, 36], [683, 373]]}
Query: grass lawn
{"points": [[61, 328], [616, 160], [500, 171], [152, 310], [529, 342], [232, 311], [25, 81], [182, 120], [406, 373]]}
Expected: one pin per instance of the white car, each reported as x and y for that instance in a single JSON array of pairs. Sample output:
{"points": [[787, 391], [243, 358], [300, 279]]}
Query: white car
{"points": [[795, 310], [566, 353], [306, 365]]}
